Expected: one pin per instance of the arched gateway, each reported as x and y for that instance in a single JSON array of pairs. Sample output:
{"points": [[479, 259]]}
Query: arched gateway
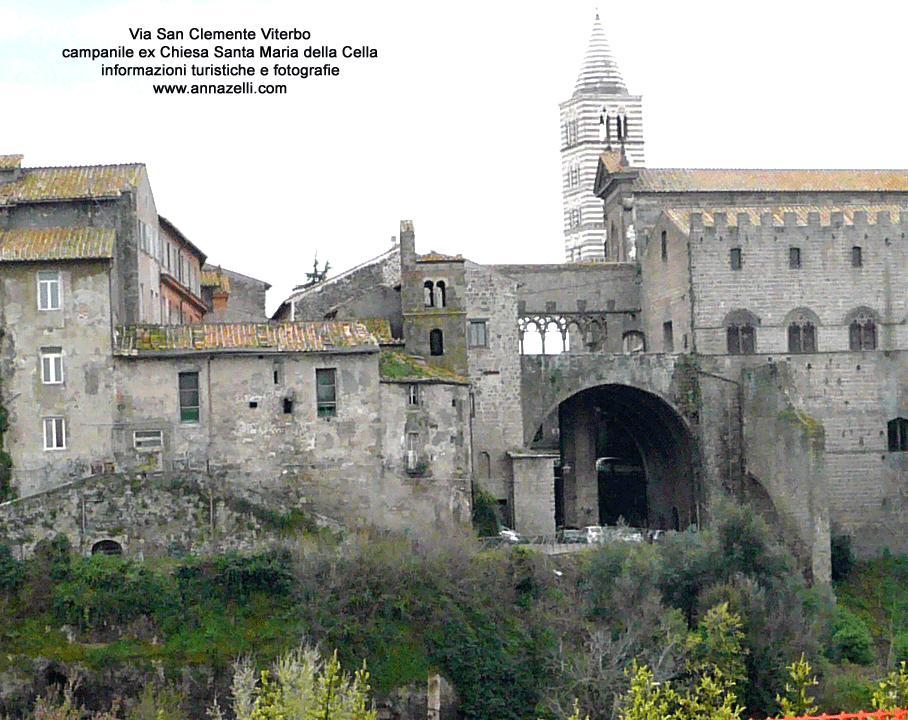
{"points": [[622, 433], [625, 456]]}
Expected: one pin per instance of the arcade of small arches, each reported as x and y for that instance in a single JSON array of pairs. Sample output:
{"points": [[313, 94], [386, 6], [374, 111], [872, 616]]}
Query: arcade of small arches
{"points": [[554, 333]]}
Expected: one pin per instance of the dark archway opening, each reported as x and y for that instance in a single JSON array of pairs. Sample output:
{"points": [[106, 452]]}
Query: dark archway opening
{"points": [[106, 547], [626, 457]]}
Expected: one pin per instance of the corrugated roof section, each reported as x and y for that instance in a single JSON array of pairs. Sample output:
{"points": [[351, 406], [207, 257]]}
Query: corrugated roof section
{"points": [[65, 183], [681, 216], [282, 337], [688, 180], [56, 244]]}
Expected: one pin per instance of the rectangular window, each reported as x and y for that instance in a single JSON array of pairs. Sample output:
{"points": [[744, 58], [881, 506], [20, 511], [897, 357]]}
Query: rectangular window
{"points": [[189, 397], [664, 245], [326, 392], [856, 259], [898, 435], [51, 365], [668, 340], [794, 258], [49, 295], [734, 258], [148, 440], [477, 334], [54, 433], [413, 395]]}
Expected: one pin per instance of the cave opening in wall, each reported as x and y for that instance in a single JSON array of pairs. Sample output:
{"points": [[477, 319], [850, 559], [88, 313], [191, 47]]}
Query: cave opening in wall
{"points": [[626, 457]]}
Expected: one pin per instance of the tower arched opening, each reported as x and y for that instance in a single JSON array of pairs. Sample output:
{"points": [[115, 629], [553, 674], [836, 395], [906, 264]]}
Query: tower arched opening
{"points": [[626, 457]]}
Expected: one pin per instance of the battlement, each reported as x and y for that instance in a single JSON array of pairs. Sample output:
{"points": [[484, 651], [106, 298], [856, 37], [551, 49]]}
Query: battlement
{"points": [[731, 221]]}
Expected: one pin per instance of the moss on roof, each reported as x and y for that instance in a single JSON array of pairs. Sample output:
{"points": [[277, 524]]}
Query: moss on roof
{"points": [[56, 244], [398, 365]]}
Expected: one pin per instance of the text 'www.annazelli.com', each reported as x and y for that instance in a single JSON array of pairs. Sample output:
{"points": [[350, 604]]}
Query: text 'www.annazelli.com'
{"points": [[246, 88]]}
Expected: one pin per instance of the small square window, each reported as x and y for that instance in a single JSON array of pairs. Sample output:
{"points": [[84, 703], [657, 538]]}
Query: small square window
{"points": [[856, 259], [51, 366], [477, 333], [189, 397], [148, 440], [734, 258], [54, 433], [49, 295], [794, 258], [326, 392]]}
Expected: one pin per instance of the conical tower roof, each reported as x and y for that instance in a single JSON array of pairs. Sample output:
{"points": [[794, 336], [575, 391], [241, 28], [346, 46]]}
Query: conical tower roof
{"points": [[600, 73]]}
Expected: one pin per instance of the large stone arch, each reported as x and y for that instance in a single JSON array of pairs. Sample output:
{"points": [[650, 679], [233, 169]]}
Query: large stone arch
{"points": [[626, 455]]}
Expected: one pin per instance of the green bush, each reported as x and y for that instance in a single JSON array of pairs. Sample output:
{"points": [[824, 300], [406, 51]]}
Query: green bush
{"points": [[234, 577], [852, 640], [900, 647], [12, 571]]}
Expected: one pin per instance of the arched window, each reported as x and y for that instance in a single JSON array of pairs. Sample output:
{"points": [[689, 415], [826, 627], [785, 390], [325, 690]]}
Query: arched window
{"points": [[862, 330], [436, 342], [741, 332], [802, 331], [898, 435], [440, 299], [428, 293], [634, 342]]}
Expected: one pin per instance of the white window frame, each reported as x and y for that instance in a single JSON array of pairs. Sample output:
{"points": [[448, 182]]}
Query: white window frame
{"points": [[53, 430], [413, 395], [50, 281], [52, 366], [148, 440]]}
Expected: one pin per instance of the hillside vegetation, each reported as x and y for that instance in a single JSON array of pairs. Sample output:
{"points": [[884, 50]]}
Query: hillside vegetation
{"points": [[519, 634]]}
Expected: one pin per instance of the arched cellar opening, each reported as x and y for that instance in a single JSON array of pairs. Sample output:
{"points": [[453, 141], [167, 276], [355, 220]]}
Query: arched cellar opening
{"points": [[626, 457]]}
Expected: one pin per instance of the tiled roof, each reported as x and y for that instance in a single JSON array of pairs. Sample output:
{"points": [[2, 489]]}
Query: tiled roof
{"points": [[56, 244], [689, 180], [281, 337], [438, 257], [380, 329], [35, 184], [217, 279], [681, 216], [10, 162]]}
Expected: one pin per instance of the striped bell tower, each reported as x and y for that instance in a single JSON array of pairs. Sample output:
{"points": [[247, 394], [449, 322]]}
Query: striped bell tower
{"points": [[601, 115]]}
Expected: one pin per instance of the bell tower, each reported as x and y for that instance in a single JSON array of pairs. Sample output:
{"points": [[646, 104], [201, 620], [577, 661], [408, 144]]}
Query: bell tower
{"points": [[601, 115]]}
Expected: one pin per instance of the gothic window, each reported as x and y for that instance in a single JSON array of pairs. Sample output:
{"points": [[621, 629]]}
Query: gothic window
{"points": [[856, 259], [898, 435], [862, 332], [734, 258], [436, 342], [740, 332], [794, 258], [440, 299], [802, 337], [428, 291]]}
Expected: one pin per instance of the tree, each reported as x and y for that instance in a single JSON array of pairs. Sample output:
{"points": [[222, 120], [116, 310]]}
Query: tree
{"points": [[300, 686]]}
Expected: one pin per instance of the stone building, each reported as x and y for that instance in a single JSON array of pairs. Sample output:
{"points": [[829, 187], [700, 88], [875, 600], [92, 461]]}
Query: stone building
{"points": [[123, 356]]}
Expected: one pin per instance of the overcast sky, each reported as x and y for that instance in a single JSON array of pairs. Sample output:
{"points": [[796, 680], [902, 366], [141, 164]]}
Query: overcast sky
{"points": [[454, 125]]}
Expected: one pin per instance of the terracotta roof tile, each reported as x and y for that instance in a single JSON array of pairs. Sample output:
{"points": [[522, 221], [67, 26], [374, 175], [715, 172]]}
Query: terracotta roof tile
{"points": [[691, 180], [280, 337], [65, 183], [681, 216], [216, 278], [10, 162], [438, 257], [56, 244]]}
